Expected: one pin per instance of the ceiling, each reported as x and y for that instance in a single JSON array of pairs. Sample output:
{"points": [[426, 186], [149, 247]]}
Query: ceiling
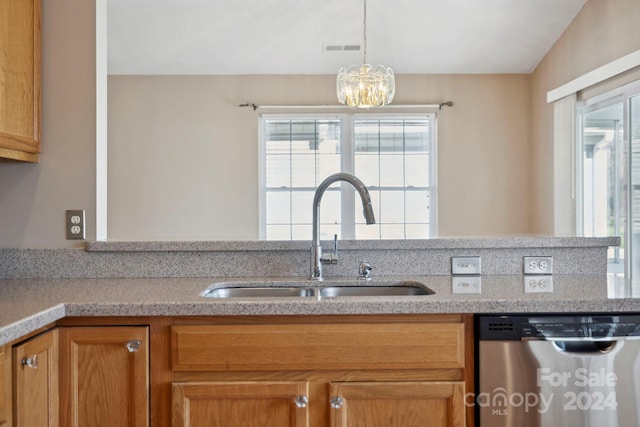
{"points": [[289, 37]]}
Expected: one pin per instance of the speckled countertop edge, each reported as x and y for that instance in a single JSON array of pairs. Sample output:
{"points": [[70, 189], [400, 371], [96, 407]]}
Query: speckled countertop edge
{"points": [[439, 243], [28, 304]]}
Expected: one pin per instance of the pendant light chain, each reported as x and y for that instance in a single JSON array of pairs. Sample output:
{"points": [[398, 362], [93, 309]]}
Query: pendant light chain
{"points": [[365, 32]]}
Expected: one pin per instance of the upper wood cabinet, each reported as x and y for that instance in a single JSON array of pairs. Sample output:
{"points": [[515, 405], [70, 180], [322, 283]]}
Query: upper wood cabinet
{"points": [[20, 79]]}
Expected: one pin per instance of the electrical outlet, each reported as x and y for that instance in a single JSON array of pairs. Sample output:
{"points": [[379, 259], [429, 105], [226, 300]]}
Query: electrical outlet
{"points": [[75, 224], [538, 284], [538, 265]]}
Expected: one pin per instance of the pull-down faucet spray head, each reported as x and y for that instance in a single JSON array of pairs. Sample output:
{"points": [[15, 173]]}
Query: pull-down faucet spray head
{"points": [[316, 250], [367, 210]]}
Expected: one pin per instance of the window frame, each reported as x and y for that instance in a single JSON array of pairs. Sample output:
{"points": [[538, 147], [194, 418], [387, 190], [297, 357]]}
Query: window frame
{"points": [[347, 162], [617, 263]]}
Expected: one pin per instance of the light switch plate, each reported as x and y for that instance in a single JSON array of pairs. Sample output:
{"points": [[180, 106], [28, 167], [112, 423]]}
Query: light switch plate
{"points": [[465, 265], [75, 224], [466, 284]]}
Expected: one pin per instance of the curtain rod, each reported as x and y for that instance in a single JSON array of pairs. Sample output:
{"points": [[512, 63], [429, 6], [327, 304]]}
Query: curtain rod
{"points": [[339, 106]]}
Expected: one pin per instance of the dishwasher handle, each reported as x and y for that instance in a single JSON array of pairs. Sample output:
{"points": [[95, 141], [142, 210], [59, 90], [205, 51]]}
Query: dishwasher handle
{"points": [[584, 346]]}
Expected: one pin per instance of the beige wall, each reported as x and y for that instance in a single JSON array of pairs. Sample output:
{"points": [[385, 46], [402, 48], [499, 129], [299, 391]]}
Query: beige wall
{"points": [[183, 158], [603, 31], [33, 197]]}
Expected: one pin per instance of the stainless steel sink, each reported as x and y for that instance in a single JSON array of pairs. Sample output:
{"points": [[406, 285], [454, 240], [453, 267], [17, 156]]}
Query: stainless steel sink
{"points": [[328, 289], [372, 291], [243, 292]]}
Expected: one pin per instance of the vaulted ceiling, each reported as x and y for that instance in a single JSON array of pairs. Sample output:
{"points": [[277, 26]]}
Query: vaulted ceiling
{"points": [[291, 36]]}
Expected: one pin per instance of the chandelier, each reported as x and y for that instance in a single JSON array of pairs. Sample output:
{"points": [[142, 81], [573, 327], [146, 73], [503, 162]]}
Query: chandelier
{"points": [[365, 86]]}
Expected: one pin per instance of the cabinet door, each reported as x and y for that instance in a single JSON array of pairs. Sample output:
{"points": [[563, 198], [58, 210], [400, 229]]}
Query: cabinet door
{"points": [[104, 376], [5, 387], [240, 404], [397, 404], [35, 366], [20, 79]]}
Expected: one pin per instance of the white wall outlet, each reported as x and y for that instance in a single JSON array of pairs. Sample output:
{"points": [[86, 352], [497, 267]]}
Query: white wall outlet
{"points": [[465, 265], [538, 284], [75, 224], [538, 265]]}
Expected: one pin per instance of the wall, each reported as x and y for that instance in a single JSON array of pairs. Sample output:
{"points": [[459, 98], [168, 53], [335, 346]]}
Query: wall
{"points": [[603, 31], [183, 158], [33, 197]]}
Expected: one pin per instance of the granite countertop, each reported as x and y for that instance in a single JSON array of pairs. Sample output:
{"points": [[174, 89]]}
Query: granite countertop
{"points": [[28, 304]]}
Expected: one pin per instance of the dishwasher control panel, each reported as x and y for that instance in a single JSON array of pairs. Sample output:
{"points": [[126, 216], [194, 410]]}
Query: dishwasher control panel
{"points": [[532, 327]]}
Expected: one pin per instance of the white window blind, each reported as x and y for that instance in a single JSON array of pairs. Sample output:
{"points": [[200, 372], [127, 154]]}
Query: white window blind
{"points": [[393, 155]]}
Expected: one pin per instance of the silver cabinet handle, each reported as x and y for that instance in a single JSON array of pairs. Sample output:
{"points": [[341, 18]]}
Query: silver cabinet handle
{"points": [[302, 401], [31, 362], [336, 402], [134, 345]]}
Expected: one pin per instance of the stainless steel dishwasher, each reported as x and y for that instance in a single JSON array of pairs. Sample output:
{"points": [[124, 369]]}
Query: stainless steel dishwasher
{"points": [[569, 371]]}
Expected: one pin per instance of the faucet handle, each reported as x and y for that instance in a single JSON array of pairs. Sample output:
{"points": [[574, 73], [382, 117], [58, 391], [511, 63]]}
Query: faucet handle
{"points": [[331, 258], [364, 270]]}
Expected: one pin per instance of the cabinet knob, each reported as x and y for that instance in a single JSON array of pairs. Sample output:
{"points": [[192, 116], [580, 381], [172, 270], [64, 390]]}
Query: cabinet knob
{"points": [[336, 402], [134, 345], [31, 362], [302, 401]]}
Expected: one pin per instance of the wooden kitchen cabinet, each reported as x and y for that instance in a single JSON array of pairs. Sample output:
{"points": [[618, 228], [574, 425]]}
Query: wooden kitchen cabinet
{"points": [[244, 371], [5, 386], [104, 376], [240, 404], [35, 393], [397, 404], [20, 79], [391, 371]]}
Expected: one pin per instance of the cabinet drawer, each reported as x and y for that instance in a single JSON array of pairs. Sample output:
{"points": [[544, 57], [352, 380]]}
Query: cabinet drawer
{"points": [[317, 347]]}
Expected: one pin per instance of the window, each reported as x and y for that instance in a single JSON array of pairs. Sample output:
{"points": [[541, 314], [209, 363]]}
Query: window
{"points": [[609, 174], [393, 155]]}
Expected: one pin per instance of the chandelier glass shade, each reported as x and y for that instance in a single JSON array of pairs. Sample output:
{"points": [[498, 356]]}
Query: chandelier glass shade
{"points": [[365, 86]]}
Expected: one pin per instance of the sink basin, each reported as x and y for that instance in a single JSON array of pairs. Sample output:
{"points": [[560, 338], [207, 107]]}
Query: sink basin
{"points": [[328, 289], [243, 292], [372, 291]]}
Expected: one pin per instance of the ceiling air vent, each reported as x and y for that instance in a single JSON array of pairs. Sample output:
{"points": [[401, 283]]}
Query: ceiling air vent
{"points": [[341, 47]]}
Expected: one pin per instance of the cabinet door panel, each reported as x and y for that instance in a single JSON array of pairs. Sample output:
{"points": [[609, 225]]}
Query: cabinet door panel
{"points": [[5, 391], [239, 404], [36, 381], [399, 404], [318, 347], [105, 383], [20, 79]]}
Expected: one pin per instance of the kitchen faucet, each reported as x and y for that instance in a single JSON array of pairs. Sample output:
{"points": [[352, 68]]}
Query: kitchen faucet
{"points": [[317, 259]]}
